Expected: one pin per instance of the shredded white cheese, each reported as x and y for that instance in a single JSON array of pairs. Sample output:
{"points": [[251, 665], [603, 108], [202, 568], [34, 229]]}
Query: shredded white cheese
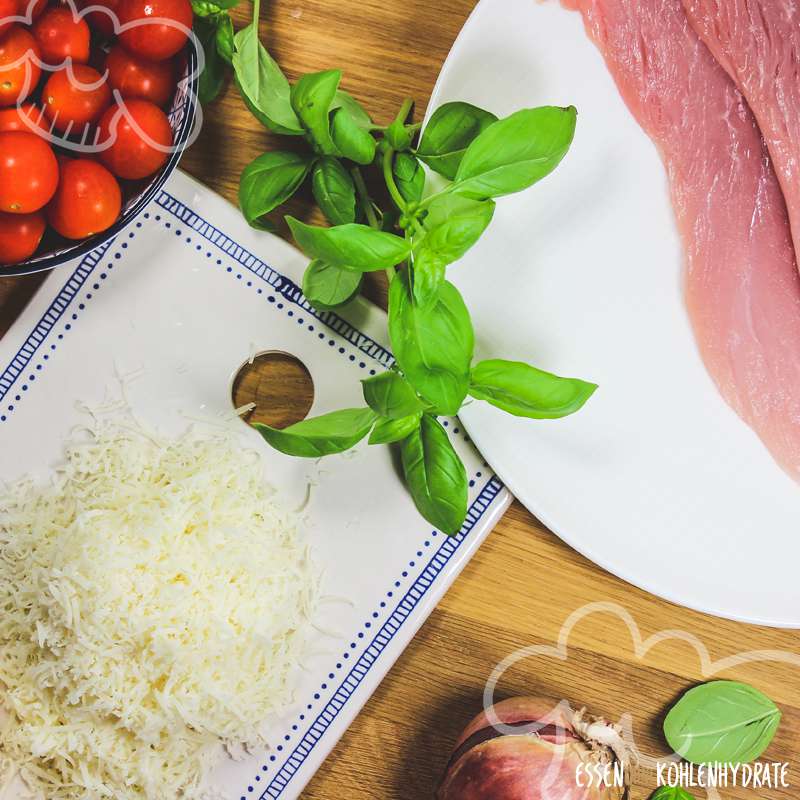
{"points": [[153, 604]]}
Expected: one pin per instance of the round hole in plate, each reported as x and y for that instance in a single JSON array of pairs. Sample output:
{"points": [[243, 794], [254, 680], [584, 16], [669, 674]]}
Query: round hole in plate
{"points": [[279, 384]]}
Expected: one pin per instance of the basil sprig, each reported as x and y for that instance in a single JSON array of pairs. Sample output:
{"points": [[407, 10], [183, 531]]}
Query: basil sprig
{"points": [[413, 235], [722, 722], [214, 30]]}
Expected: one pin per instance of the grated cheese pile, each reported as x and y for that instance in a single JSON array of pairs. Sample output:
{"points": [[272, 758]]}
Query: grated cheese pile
{"points": [[153, 603]]}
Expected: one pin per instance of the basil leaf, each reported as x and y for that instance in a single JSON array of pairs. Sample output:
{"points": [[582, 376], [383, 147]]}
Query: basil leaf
{"points": [[204, 8], [327, 285], [722, 722], [212, 77], [409, 177], [429, 272], [515, 152], [671, 793], [334, 190], [454, 224], [387, 431], [321, 436], [312, 97], [356, 246], [449, 132], [525, 391], [358, 113], [268, 181], [391, 395], [435, 475], [351, 139], [227, 5], [224, 39], [263, 86], [398, 136], [433, 343]]}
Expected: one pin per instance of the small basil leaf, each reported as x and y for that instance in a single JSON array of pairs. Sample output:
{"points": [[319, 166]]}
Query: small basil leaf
{"points": [[212, 76], [204, 8], [525, 391], [671, 793], [409, 177], [268, 181], [398, 136], [454, 224], [391, 395], [327, 285], [721, 722], [321, 436], [356, 246], [312, 97], [334, 190], [435, 475], [449, 132], [227, 5], [387, 431], [263, 86], [433, 343], [515, 152], [224, 39], [359, 114], [429, 272], [352, 139]]}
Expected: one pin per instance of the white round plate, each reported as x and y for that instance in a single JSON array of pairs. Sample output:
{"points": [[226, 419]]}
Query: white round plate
{"points": [[656, 479]]}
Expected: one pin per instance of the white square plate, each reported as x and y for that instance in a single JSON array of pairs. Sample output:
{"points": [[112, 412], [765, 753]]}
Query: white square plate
{"points": [[183, 296]]}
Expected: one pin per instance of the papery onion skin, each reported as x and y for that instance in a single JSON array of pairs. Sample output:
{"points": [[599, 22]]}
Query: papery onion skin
{"points": [[542, 765]]}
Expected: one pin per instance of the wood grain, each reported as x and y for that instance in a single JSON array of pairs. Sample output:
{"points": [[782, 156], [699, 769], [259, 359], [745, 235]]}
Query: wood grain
{"points": [[524, 582]]}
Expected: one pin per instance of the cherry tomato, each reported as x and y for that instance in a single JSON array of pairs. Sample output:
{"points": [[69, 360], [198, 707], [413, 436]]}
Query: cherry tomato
{"points": [[28, 172], [19, 72], [8, 8], [88, 199], [100, 21], [20, 235], [60, 35], [12, 119], [141, 139], [80, 100], [155, 40], [137, 78]]}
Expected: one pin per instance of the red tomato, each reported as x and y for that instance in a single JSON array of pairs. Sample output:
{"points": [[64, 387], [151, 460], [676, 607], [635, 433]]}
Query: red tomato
{"points": [[28, 172], [141, 139], [80, 100], [88, 199], [8, 8], [60, 36], [99, 20], [17, 80], [155, 40], [137, 78], [20, 235], [11, 119]]}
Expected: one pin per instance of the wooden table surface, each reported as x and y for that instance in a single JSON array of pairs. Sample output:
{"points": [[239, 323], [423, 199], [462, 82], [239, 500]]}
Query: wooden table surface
{"points": [[524, 582]]}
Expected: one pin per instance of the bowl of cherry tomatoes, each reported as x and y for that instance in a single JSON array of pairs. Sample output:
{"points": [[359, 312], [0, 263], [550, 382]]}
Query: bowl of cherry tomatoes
{"points": [[97, 102]]}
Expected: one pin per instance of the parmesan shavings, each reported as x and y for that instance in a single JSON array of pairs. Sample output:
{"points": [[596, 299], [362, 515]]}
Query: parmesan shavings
{"points": [[154, 604]]}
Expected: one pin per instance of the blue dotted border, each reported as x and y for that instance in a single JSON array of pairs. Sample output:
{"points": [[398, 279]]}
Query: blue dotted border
{"points": [[285, 290], [405, 607]]}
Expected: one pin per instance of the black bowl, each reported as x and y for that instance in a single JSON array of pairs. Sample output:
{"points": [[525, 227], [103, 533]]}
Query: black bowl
{"points": [[181, 119]]}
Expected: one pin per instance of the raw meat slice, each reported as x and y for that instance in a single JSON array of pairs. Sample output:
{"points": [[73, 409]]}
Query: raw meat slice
{"points": [[741, 285], [758, 44]]}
